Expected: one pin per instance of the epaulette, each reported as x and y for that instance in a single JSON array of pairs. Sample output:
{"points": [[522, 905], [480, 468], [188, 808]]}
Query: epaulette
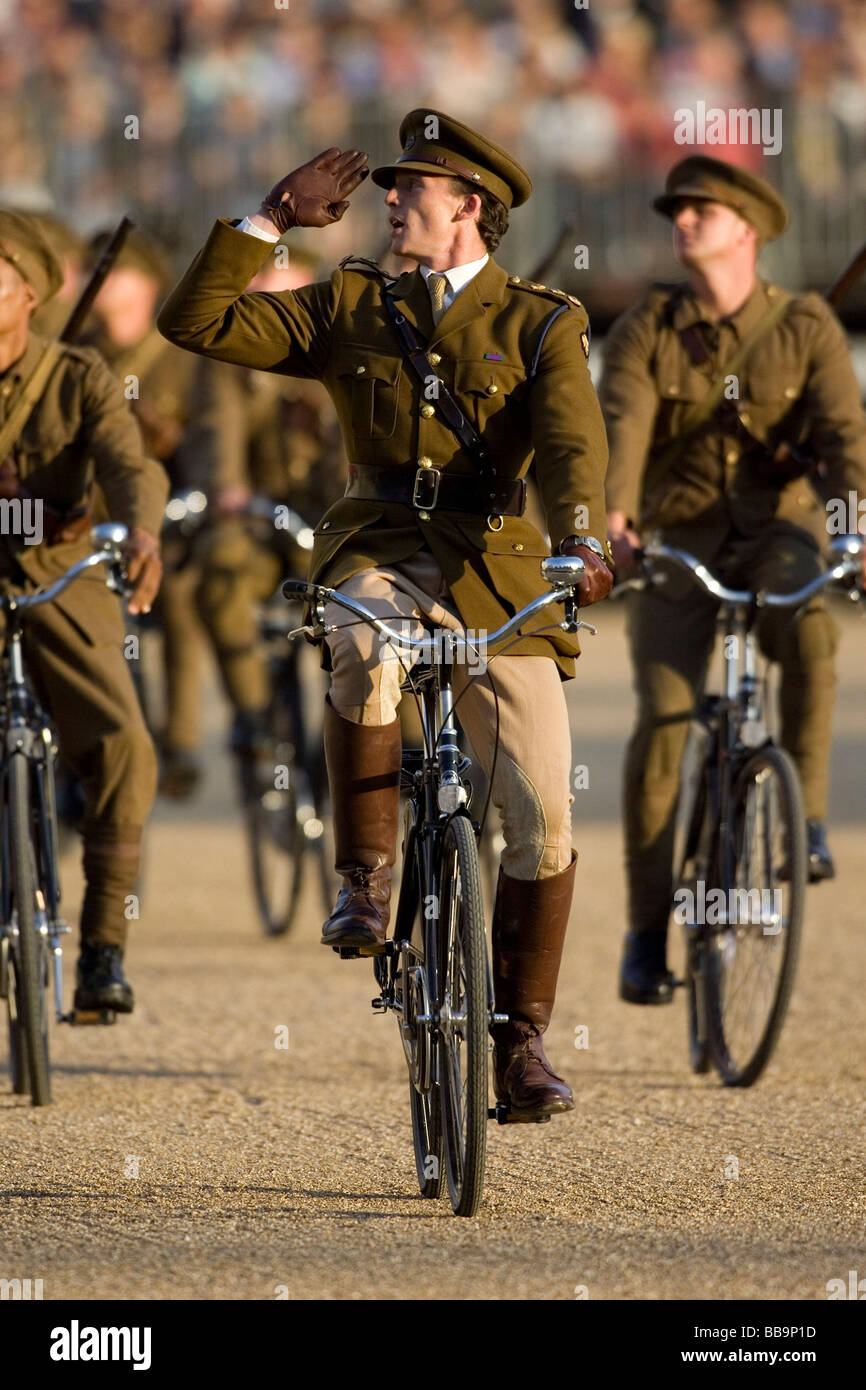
{"points": [[364, 264], [544, 289]]}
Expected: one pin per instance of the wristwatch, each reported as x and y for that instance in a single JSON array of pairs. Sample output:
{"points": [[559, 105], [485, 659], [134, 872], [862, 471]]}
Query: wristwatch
{"points": [[603, 551]]}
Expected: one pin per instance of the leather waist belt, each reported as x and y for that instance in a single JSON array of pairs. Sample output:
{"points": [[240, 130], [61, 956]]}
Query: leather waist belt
{"points": [[430, 489]]}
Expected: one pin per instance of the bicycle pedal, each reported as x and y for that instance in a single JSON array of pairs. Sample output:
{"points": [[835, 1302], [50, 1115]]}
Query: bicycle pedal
{"points": [[89, 1017], [502, 1114], [347, 952]]}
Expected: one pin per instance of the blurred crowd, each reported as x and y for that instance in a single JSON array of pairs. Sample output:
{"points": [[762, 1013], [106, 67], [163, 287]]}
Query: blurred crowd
{"points": [[226, 96]]}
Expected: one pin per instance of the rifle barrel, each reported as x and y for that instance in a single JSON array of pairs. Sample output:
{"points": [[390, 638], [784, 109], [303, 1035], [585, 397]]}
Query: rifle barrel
{"points": [[82, 308]]}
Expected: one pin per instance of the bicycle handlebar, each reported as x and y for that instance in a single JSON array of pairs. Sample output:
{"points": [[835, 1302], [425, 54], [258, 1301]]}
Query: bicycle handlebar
{"points": [[109, 537], [848, 548], [569, 567]]}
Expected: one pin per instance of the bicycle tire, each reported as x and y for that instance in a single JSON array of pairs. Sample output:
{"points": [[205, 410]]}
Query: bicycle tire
{"points": [[28, 957], [425, 1104], [276, 853], [695, 954], [17, 1058], [744, 1070], [462, 991]]}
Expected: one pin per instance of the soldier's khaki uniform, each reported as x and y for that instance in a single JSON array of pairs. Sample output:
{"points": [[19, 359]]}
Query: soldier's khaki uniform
{"points": [[753, 522], [81, 436], [338, 331], [165, 382], [279, 438]]}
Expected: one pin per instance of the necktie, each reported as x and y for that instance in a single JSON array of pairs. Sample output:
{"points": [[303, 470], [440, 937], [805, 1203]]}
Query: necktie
{"points": [[437, 285]]}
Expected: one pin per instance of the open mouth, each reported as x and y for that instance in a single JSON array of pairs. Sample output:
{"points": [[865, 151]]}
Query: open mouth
{"points": [[397, 224]]}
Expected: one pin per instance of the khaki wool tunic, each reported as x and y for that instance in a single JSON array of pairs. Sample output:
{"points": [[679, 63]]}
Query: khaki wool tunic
{"points": [[338, 331]]}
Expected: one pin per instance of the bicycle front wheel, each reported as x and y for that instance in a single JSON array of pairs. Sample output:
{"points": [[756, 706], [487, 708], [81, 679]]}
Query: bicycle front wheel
{"points": [[752, 953], [29, 1021], [463, 1021]]}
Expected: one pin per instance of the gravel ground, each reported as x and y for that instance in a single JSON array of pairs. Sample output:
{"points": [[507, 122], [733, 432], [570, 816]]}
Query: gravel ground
{"points": [[187, 1156]]}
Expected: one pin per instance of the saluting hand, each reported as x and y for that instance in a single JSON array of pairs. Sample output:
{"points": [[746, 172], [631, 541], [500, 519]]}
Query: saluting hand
{"points": [[316, 194], [143, 568]]}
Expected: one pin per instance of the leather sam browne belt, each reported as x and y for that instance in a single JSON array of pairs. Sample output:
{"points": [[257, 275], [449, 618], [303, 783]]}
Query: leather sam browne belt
{"points": [[430, 489]]}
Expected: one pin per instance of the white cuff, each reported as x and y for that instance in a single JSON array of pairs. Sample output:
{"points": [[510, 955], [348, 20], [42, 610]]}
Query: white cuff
{"points": [[252, 230]]}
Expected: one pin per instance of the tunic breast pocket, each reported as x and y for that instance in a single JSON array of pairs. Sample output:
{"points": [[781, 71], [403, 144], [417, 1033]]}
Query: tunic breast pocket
{"points": [[485, 388], [39, 457], [369, 382]]}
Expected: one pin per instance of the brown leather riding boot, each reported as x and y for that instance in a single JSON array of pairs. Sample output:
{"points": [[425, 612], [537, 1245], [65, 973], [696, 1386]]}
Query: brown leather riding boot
{"points": [[364, 775], [529, 924]]}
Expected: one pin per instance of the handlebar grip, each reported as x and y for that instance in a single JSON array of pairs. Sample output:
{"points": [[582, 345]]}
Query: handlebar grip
{"points": [[299, 588]]}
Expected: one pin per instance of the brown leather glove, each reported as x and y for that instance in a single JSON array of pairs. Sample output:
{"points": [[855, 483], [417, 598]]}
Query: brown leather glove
{"points": [[597, 581], [316, 194], [143, 568]]}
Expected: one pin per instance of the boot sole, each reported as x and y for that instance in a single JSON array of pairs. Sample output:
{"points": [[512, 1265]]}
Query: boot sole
{"points": [[121, 1005], [536, 1117], [639, 996], [366, 944]]}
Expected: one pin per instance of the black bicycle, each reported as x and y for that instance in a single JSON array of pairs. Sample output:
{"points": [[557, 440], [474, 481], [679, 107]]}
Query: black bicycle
{"points": [[435, 973], [31, 927], [743, 862]]}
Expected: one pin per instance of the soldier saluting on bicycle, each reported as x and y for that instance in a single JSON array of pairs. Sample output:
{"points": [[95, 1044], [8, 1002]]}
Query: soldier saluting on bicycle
{"points": [[710, 390], [79, 433], [432, 517]]}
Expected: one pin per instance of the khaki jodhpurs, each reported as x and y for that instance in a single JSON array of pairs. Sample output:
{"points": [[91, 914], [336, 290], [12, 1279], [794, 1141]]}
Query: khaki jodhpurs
{"points": [[671, 635], [532, 772]]}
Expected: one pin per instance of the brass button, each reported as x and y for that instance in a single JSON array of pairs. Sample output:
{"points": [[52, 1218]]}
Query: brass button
{"points": [[360, 369], [424, 516], [731, 456], [435, 358], [427, 411], [424, 462], [492, 389], [518, 545], [672, 390], [790, 392]]}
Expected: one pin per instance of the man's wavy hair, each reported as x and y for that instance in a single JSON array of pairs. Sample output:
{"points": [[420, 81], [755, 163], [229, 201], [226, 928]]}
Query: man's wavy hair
{"points": [[493, 217]]}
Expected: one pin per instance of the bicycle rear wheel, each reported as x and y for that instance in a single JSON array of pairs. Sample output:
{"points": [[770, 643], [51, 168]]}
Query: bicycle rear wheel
{"points": [[463, 1018], [29, 1051], [752, 954]]}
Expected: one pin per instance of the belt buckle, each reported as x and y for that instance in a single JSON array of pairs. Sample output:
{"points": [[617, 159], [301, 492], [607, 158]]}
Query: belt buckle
{"points": [[423, 478]]}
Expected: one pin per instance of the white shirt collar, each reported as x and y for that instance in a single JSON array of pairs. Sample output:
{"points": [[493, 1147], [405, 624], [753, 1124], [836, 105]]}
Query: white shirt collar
{"points": [[459, 275]]}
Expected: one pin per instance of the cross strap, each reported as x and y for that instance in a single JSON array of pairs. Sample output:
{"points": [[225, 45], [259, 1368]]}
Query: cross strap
{"points": [[704, 408], [415, 353]]}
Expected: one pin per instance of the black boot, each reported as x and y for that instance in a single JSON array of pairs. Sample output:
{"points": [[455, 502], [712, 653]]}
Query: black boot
{"points": [[821, 864], [99, 980], [644, 976]]}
